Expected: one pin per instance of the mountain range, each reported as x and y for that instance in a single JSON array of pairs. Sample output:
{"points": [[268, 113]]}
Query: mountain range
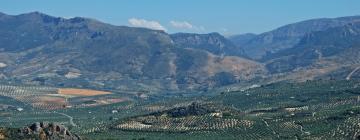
{"points": [[39, 49], [257, 46], [81, 52]]}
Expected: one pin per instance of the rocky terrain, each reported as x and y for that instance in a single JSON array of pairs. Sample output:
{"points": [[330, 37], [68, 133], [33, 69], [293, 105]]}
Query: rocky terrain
{"points": [[41, 131], [213, 43]]}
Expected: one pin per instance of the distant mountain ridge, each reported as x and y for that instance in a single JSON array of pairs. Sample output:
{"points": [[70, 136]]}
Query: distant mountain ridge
{"points": [[318, 46], [289, 35], [38, 49], [81, 52]]}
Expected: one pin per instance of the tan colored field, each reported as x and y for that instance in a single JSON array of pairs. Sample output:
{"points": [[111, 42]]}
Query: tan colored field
{"points": [[81, 92]]}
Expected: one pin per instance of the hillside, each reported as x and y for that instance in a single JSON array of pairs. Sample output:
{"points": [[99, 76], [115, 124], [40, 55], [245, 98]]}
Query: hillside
{"points": [[288, 36], [317, 109], [330, 45], [38, 49], [213, 42], [241, 39]]}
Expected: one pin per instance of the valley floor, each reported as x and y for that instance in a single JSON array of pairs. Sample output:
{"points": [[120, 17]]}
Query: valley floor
{"points": [[319, 109]]}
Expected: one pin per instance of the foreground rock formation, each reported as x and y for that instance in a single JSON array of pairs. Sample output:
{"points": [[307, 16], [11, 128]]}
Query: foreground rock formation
{"points": [[41, 131]]}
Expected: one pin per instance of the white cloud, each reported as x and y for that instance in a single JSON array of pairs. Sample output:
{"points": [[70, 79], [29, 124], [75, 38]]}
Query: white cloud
{"points": [[181, 24], [146, 24], [185, 25]]}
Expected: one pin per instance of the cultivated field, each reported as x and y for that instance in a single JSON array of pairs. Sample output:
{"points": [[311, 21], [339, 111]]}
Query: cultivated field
{"points": [[309, 110], [51, 98], [81, 92]]}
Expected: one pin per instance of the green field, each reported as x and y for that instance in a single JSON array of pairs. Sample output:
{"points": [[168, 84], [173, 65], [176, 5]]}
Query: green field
{"points": [[309, 110]]}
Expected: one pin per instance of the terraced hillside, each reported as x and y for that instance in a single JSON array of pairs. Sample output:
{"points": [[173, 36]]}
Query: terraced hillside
{"points": [[309, 110]]}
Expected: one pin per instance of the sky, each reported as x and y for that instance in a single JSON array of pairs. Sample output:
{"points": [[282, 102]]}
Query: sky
{"points": [[228, 17]]}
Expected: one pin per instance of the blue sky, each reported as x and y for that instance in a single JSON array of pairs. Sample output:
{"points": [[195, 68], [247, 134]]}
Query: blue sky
{"points": [[200, 16]]}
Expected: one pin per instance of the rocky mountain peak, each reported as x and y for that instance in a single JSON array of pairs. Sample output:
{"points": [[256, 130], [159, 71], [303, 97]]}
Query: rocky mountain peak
{"points": [[212, 42]]}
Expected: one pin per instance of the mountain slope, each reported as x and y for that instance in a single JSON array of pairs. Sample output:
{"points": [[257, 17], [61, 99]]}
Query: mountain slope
{"points": [[241, 39], [335, 50], [80, 52], [213, 42], [290, 35]]}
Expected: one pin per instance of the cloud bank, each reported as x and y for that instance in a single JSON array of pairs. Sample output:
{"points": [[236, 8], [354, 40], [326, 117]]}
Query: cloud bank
{"points": [[174, 25], [146, 24], [185, 25]]}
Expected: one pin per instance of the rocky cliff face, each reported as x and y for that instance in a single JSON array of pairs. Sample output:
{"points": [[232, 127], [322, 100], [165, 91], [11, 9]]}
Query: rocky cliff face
{"points": [[213, 42]]}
